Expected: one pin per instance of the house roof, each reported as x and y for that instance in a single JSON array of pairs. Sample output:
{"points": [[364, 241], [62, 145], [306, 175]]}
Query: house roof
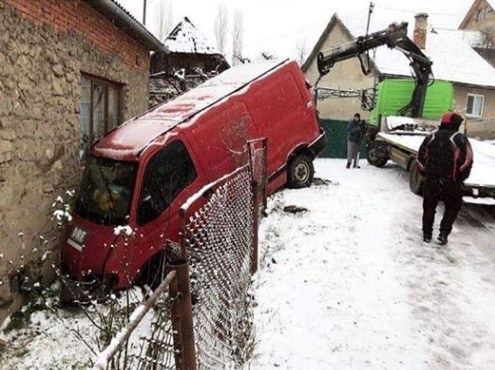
{"points": [[186, 38], [491, 3], [475, 39], [453, 58], [119, 16]]}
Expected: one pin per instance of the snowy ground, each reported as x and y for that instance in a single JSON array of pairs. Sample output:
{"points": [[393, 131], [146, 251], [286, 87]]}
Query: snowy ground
{"points": [[350, 285], [346, 285]]}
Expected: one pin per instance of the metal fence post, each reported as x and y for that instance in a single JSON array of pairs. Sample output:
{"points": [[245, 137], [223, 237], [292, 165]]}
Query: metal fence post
{"points": [[264, 174], [185, 350], [255, 224]]}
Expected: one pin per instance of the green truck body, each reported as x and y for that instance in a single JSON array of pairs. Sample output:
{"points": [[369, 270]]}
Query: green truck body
{"points": [[393, 94]]}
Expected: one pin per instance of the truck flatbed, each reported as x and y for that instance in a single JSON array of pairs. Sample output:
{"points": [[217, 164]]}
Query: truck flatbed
{"points": [[403, 146]]}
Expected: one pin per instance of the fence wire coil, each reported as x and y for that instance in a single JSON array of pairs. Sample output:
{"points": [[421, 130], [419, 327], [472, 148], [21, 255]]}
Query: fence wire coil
{"points": [[157, 348]]}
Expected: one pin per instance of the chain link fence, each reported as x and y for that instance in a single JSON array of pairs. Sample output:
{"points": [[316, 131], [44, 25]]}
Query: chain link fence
{"points": [[219, 242]]}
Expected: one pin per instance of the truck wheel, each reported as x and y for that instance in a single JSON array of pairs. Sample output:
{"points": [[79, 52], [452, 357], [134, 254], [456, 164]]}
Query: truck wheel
{"points": [[300, 172], [377, 154], [415, 179]]}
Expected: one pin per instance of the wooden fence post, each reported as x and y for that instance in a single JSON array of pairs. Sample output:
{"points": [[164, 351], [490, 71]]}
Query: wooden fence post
{"points": [[182, 321]]}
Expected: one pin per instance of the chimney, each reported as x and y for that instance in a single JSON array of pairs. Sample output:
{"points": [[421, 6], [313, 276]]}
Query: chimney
{"points": [[420, 30]]}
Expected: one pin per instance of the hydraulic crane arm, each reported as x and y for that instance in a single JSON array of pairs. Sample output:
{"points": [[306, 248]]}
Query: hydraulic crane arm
{"points": [[395, 37]]}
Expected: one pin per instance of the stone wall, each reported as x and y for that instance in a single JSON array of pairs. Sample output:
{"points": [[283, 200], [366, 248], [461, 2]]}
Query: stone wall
{"points": [[40, 79]]}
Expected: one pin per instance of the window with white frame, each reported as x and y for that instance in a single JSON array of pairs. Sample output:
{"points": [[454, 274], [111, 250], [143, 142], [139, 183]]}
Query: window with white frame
{"points": [[99, 110], [475, 105]]}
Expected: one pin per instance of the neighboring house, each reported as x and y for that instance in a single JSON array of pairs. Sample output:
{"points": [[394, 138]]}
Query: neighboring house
{"points": [[190, 61], [69, 72], [480, 20], [480, 17], [453, 60]]}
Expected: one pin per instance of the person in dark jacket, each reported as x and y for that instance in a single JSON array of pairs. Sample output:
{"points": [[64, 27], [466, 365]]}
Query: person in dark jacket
{"points": [[354, 133], [445, 159]]}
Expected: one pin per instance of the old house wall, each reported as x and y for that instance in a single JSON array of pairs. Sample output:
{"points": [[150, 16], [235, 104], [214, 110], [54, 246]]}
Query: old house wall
{"points": [[45, 45], [483, 127], [343, 75]]}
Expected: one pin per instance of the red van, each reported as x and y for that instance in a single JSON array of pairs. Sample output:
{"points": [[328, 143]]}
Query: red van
{"points": [[139, 174]]}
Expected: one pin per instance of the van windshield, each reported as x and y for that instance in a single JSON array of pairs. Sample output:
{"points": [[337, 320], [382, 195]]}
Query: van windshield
{"points": [[106, 191]]}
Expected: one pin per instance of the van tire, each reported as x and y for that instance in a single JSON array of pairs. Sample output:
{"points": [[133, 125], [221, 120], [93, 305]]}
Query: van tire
{"points": [[416, 181], [300, 172], [377, 154], [154, 270]]}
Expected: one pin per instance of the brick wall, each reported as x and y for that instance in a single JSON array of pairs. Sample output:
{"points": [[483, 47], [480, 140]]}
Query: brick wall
{"points": [[79, 17], [45, 45]]}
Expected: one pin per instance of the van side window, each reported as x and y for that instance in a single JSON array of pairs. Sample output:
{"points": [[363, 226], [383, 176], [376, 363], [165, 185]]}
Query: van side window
{"points": [[168, 172]]}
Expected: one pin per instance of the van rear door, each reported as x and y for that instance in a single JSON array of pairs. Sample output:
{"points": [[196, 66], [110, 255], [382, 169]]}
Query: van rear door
{"points": [[280, 114]]}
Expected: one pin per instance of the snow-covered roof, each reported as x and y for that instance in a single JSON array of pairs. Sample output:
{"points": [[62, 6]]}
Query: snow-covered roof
{"points": [[186, 38], [475, 39], [453, 58]]}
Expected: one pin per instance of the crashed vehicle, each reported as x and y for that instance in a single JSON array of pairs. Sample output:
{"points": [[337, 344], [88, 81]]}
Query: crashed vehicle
{"points": [[138, 175]]}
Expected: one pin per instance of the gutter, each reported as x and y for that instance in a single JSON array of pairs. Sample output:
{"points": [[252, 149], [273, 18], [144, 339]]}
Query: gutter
{"points": [[125, 21]]}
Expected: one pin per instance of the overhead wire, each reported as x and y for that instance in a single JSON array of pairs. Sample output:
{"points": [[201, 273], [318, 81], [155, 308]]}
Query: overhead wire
{"points": [[410, 11]]}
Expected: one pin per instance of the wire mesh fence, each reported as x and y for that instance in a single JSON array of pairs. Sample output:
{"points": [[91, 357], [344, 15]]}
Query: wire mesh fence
{"points": [[219, 240], [156, 346]]}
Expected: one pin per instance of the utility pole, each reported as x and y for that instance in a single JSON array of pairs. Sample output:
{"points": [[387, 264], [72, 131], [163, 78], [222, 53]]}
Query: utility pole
{"points": [[370, 11], [144, 11], [375, 79]]}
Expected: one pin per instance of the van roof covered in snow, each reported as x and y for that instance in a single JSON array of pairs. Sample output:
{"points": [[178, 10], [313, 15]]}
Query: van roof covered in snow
{"points": [[128, 140]]}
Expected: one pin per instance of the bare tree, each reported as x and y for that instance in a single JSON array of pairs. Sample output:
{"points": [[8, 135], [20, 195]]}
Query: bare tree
{"points": [[164, 19], [237, 36], [221, 28], [302, 52], [488, 37]]}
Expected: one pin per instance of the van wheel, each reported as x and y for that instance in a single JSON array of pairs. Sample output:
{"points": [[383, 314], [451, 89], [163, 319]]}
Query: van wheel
{"points": [[300, 172], [415, 179], [154, 270], [377, 154]]}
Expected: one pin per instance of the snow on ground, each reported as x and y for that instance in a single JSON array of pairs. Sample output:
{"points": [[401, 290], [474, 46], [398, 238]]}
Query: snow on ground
{"points": [[350, 285], [59, 339], [346, 285]]}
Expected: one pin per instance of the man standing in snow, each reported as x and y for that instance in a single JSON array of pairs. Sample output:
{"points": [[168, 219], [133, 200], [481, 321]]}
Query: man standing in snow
{"points": [[445, 159], [354, 132]]}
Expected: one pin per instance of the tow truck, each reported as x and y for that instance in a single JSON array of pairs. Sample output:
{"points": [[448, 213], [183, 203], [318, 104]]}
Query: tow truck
{"points": [[398, 136]]}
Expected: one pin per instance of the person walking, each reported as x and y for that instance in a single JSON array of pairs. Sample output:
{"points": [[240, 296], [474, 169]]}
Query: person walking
{"points": [[445, 159], [354, 134]]}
